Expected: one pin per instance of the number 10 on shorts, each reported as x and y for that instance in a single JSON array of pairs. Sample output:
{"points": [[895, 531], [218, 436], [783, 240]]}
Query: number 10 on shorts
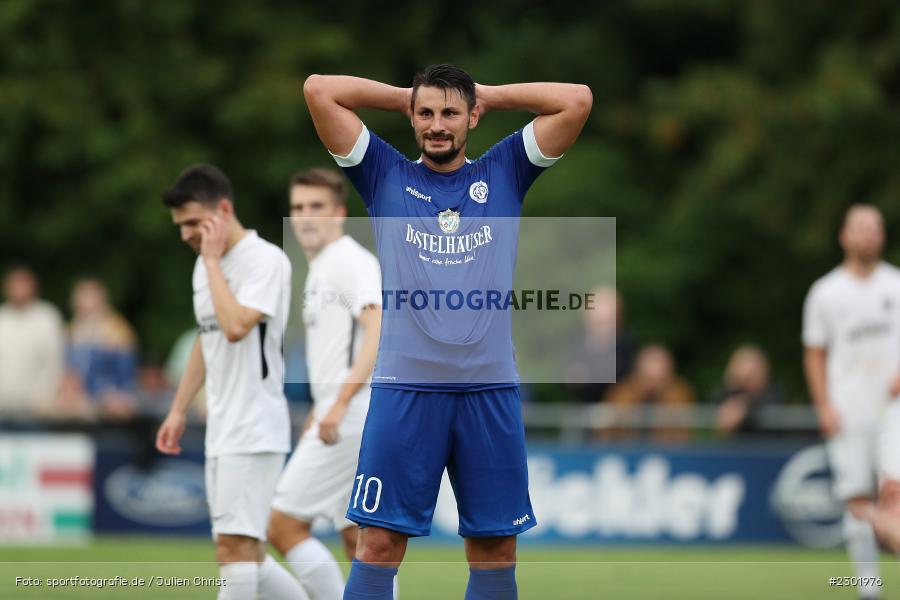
{"points": [[365, 499]]}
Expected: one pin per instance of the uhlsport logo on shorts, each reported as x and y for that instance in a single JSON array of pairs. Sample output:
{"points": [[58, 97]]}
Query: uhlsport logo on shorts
{"points": [[478, 192], [448, 220]]}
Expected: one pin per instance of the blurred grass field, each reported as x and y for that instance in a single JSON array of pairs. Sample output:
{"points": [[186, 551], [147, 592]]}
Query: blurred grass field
{"points": [[439, 572]]}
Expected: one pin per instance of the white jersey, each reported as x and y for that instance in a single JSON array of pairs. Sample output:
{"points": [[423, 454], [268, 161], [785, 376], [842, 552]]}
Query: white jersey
{"points": [[858, 322], [246, 408], [343, 279]]}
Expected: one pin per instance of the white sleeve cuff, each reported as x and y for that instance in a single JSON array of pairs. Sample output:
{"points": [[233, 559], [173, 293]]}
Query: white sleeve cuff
{"points": [[357, 154], [534, 153]]}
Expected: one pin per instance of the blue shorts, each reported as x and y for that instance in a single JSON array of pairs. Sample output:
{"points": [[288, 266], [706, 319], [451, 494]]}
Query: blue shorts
{"points": [[411, 436]]}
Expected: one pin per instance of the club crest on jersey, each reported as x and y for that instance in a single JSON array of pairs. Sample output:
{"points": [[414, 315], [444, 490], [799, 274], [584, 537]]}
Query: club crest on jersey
{"points": [[478, 192], [448, 220]]}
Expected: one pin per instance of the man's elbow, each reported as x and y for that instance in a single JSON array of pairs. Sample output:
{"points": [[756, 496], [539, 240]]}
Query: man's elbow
{"points": [[236, 333], [581, 100], [313, 87]]}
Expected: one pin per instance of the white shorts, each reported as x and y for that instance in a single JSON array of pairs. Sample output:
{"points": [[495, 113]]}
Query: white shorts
{"points": [[239, 489], [889, 443], [854, 458], [318, 480]]}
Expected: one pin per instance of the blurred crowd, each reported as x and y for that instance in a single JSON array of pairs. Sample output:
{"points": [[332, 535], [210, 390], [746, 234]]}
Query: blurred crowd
{"points": [[638, 391], [88, 370]]}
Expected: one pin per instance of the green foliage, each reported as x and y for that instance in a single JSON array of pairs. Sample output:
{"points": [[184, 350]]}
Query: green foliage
{"points": [[727, 138]]}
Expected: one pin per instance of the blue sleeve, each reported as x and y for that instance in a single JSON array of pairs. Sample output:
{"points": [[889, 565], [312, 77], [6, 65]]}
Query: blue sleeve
{"points": [[510, 155], [367, 165]]}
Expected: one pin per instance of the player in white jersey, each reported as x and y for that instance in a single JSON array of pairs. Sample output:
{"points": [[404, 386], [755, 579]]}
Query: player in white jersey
{"points": [[885, 515], [342, 317], [241, 301], [851, 335]]}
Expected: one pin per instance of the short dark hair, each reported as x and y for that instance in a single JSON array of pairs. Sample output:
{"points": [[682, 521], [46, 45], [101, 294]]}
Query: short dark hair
{"points": [[445, 77], [322, 177], [202, 183]]}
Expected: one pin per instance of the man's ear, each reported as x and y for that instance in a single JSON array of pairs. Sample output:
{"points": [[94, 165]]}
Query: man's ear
{"points": [[225, 205], [474, 116]]}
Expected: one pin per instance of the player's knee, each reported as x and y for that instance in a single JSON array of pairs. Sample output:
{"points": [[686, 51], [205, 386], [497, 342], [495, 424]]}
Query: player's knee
{"points": [[377, 545], [491, 553], [350, 549], [889, 496], [285, 532], [236, 548], [348, 537], [276, 534], [857, 507]]}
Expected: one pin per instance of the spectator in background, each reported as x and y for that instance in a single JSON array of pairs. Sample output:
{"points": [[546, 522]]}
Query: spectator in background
{"points": [[32, 348], [653, 384], [603, 353], [153, 390], [102, 357], [746, 389]]}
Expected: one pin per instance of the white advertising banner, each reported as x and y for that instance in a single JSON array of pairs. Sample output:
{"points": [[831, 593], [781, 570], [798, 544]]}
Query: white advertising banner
{"points": [[46, 491]]}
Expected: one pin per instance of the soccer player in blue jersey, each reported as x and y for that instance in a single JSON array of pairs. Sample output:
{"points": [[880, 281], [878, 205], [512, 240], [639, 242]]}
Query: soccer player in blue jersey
{"points": [[445, 388]]}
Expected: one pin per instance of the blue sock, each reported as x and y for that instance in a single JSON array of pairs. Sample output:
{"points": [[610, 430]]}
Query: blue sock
{"points": [[368, 582], [493, 584]]}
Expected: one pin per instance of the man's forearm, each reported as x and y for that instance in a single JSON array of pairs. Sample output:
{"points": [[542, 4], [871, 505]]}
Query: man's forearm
{"points": [[814, 368], [362, 367], [354, 93], [191, 380], [360, 371], [542, 98], [233, 319]]}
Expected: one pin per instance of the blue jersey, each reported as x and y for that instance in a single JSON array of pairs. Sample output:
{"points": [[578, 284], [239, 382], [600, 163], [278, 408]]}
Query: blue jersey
{"points": [[447, 246]]}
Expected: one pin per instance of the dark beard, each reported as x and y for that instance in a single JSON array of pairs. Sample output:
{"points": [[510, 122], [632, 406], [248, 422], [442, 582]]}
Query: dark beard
{"points": [[444, 156]]}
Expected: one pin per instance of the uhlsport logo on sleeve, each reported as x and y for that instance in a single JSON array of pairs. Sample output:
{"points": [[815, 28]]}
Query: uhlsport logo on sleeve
{"points": [[449, 221], [478, 192]]}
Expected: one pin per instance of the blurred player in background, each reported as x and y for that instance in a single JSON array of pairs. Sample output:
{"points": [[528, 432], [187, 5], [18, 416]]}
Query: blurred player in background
{"points": [[445, 389], [241, 301], [885, 513], [851, 335], [342, 317]]}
